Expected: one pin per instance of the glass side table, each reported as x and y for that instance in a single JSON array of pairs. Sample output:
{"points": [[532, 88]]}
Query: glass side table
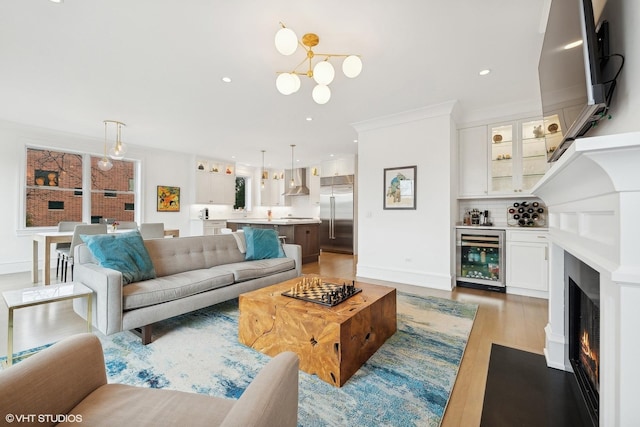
{"points": [[38, 295]]}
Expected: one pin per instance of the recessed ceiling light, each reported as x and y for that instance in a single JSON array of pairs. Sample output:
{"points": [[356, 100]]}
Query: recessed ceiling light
{"points": [[309, 119], [57, 1], [355, 140], [573, 44], [226, 79], [330, 155], [484, 72]]}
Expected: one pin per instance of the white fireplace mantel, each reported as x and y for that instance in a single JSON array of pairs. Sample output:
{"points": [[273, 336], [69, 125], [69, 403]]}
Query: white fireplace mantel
{"points": [[593, 198]]}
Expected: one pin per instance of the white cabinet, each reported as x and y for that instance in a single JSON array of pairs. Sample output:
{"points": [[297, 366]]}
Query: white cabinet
{"points": [[207, 227], [341, 166], [518, 156], [215, 183], [272, 193], [527, 262], [472, 161]]}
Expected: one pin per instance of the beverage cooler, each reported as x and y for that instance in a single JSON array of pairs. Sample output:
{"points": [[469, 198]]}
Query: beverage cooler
{"points": [[480, 259]]}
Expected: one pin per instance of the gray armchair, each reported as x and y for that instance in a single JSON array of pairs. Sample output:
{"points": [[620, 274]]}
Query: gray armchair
{"points": [[69, 378]]}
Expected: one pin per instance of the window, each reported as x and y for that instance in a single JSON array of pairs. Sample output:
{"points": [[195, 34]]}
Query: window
{"points": [[240, 193], [52, 179], [55, 189], [243, 193], [111, 191]]}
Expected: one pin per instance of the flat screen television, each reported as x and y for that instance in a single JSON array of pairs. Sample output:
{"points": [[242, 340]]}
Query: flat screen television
{"points": [[571, 78]]}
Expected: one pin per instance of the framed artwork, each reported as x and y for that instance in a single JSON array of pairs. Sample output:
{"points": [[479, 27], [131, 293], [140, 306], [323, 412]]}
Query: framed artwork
{"points": [[168, 199], [400, 187]]}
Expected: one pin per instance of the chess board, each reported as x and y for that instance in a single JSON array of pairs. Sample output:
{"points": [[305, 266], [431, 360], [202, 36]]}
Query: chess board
{"points": [[324, 293]]}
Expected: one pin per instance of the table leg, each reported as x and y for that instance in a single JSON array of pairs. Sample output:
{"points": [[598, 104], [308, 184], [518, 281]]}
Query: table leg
{"points": [[34, 257], [89, 314], [47, 262], [10, 339]]}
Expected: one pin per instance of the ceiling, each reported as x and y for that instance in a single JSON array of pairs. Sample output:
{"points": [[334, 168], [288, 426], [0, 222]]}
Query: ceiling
{"points": [[157, 65]]}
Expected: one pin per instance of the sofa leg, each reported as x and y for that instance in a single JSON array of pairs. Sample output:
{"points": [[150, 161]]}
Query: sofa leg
{"points": [[144, 333]]}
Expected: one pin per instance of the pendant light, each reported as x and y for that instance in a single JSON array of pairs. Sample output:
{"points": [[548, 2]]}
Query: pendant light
{"points": [[323, 72], [262, 172], [119, 149], [292, 184], [105, 164]]}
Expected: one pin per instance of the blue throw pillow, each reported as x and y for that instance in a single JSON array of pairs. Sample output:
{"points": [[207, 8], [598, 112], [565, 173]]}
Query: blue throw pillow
{"points": [[262, 243], [124, 252]]}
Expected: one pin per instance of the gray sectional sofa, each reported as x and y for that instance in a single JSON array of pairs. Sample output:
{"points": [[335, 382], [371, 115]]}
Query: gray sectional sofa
{"points": [[191, 273]]}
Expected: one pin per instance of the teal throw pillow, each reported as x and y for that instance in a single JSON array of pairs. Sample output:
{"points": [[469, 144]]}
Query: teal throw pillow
{"points": [[124, 252], [262, 243]]}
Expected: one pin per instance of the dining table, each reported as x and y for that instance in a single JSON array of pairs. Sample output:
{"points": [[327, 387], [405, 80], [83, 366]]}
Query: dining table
{"points": [[46, 239]]}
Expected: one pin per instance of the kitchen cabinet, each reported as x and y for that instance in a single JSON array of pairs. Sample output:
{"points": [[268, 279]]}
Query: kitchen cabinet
{"points": [[341, 166], [527, 262], [305, 235], [518, 156], [215, 183], [272, 193], [472, 160], [308, 237], [207, 227]]}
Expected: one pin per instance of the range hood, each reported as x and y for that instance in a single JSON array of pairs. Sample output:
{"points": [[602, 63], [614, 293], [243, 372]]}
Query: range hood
{"points": [[300, 178]]}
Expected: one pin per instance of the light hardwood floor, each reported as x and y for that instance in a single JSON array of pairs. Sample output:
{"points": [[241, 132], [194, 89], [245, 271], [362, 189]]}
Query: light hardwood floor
{"points": [[509, 320]]}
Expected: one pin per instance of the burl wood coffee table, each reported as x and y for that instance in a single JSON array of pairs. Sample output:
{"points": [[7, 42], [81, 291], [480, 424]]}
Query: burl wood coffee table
{"points": [[331, 342]]}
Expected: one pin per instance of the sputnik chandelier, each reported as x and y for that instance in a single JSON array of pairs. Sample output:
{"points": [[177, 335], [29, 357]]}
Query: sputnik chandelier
{"points": [[322, 72], [118, 150]]}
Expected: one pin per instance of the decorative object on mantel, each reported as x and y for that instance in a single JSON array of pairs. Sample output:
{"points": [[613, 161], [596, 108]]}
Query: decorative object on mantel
{"points": [[400, 187], [168, 199], [527, 214], [322, 72]]}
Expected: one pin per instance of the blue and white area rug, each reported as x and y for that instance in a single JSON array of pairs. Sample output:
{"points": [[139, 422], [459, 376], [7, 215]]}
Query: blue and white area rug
{"points": [[406, 382]]}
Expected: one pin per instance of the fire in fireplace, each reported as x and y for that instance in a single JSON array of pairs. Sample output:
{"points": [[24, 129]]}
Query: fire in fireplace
{"points": [[584, 337]]}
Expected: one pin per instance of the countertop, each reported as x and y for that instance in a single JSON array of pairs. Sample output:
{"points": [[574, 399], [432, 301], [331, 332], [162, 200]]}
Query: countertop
{"points": [[275, 221], [502, 227]]}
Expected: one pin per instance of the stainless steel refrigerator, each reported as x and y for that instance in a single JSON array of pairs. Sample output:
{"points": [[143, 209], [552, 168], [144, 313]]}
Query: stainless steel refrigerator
{"points": [[336, 213]]}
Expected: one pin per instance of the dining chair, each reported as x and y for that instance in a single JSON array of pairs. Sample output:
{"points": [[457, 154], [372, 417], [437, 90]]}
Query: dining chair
{"points": [[127, 225], [79, 230], [152, 230], [62, 249]]}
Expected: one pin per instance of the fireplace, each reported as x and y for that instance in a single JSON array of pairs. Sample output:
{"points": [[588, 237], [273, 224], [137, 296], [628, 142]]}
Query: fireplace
{"points": [[593, 196], [583, 327]]}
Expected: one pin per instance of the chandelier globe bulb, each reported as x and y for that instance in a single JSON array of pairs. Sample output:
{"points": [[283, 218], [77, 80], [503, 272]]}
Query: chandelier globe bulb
{"points": [[323, 73], [287, 83], [321, 94], [286, 41], [352, 66]]}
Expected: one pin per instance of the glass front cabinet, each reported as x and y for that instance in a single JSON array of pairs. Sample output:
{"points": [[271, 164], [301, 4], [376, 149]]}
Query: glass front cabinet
{"points": [[518, 156]]}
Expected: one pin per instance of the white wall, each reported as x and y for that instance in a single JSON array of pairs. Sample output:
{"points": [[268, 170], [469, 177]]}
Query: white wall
{"points": [[407, 246], [158, 168]]}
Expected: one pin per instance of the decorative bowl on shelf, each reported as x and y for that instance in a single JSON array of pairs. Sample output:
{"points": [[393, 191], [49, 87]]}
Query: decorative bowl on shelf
{"points": [[553, 128], [497, 138]]}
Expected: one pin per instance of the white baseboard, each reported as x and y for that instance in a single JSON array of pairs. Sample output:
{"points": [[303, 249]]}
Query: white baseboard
{"points": [[415, 278]]}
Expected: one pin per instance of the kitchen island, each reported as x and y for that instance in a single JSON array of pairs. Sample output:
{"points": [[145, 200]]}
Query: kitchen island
{"points": [[300, 231]]}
